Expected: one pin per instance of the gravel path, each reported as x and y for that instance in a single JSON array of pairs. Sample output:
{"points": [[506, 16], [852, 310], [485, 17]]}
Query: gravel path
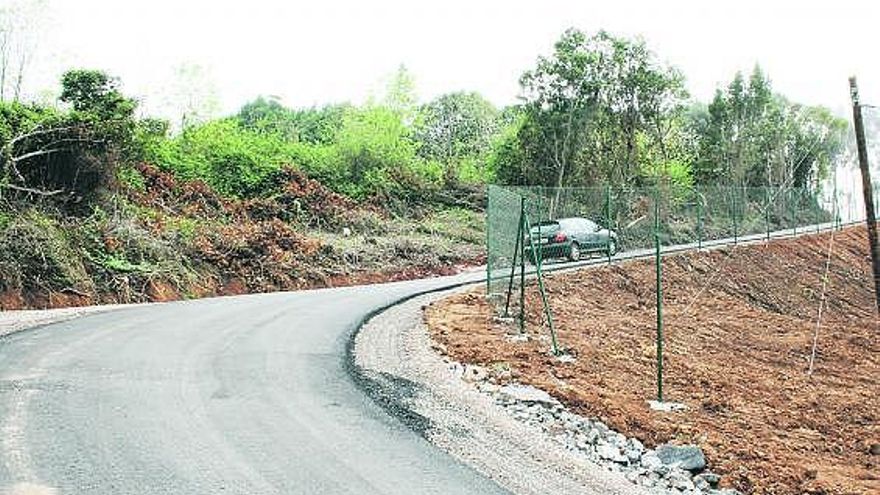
{"points": [[393, 352]]}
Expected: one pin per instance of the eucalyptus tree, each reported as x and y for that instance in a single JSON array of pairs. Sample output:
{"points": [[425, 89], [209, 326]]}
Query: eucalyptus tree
{"points": [[753, 136]]}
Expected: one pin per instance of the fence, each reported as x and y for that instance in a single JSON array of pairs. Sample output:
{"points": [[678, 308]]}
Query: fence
{"points": [[691, 217]]}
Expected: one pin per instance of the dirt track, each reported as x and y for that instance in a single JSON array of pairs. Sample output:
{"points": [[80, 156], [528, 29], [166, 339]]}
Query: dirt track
{"points": [[739, 329]]}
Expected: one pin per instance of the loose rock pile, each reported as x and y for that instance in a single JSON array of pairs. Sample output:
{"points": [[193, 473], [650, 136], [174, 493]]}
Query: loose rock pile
{"points": [[668, 468]]}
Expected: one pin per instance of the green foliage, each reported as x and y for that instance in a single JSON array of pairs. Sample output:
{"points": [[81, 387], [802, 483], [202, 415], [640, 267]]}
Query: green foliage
{"points": [[457, 129], [455, 223], [118, 263], [36, 253], [234, 161], [375, 155], [751, 136], [131, 178], [308, 125], [69, 156], [585, 108], [95, 93]]}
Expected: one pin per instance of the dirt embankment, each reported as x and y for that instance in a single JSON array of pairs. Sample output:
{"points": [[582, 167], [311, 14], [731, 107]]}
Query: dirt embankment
{"points": [[739, 328], [165, 239]]}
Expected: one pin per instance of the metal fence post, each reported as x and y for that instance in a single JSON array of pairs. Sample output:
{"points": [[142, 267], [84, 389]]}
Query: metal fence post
{"points": [[659, 269], [522, 264], [608, 220], [735, 226], [699, 219], [488, 248], [541, 290]]}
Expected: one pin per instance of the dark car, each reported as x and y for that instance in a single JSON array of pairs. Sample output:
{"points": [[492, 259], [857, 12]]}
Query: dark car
{"points": [[570, 238]]}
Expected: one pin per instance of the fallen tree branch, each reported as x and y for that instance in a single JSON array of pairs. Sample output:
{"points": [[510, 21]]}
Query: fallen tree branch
{"points": [[31, 190]]}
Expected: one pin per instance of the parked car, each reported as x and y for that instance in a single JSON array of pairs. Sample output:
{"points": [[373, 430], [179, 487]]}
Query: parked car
{"points": [[570, 238]]}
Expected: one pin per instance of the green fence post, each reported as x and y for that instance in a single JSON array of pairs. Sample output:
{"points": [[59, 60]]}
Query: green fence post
{"points": [[735, 226], [522, 264], [543, 292], [699, 219], [794, 210], [608, 219], [488, 212], [767, 211], [516, 252], [659, 269]]}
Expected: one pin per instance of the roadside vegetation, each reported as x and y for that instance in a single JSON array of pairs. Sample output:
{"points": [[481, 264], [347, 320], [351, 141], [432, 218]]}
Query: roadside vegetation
{"points": [[99, 203]]}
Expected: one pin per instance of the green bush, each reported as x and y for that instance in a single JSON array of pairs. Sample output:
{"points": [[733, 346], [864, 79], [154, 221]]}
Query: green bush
{"points": [[233, 161], [37, 254]]}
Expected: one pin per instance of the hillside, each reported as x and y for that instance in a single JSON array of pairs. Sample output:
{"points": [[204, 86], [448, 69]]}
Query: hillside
{"points": [[739, 326], [158, 238]]}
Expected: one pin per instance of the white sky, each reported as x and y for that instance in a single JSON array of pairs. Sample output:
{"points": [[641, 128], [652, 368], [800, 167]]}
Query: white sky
{"points": [[320, 51]]}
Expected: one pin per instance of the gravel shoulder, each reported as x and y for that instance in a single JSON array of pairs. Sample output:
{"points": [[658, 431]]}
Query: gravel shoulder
{"points": [[16, 321], [393, 356]]}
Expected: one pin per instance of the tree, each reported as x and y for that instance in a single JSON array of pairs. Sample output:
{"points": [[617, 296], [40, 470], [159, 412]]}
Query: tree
{"points": [[400, 94], [308, 125], [754, 137], [68, 154], [94, 93], [192, 95], [20, 29], [588, 107], [455, 127]]}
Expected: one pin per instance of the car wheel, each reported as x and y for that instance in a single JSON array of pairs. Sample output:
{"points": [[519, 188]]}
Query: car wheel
{"points": [[612, 247], [574, 252]]}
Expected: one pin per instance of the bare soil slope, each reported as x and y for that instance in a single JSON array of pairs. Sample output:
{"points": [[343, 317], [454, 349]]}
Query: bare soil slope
{"points": [[739, 330]]}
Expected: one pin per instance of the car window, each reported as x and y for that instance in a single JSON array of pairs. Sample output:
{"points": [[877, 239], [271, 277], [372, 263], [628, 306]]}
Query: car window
{"points": [[569, 224]]}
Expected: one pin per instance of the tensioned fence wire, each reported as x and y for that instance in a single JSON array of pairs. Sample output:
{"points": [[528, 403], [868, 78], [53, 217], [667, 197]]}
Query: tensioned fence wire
{"points": [[697, 216]]}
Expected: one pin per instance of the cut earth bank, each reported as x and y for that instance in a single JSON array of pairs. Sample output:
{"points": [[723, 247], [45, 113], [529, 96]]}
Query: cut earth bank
{"points": [[739, 329]]}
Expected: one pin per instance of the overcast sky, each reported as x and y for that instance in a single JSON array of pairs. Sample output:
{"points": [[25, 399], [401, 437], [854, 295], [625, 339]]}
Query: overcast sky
{"points": [[320, 51]]}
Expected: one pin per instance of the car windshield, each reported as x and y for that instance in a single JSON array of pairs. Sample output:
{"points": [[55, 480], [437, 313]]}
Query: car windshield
{"points": [[545, 227], [574, 224]]}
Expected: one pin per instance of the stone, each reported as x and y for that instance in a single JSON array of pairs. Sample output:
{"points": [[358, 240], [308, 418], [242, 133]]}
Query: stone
{"points": [[689, 457], [709, 478], [489, 388], [527, 394], [651, 462], [566, 358], [680, 480], [610, 453], [633, 455], [592, 436], [474, 374], [666, 406], [618, 440], [874, 449], [702, 484], [635, 444]]}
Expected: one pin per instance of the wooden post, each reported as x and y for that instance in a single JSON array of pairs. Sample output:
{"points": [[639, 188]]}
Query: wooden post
{"points": [[867, 189]]}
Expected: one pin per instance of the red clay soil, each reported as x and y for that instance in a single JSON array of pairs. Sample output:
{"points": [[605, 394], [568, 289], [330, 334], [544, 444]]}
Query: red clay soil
{"points": [[739, 327]]}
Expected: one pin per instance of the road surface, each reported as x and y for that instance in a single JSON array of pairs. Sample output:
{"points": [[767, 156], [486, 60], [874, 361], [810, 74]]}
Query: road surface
{"points": [[240, 395]]}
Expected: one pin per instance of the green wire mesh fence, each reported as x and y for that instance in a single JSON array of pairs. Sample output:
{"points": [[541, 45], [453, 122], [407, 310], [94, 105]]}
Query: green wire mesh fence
{"points": [[682, 217]]}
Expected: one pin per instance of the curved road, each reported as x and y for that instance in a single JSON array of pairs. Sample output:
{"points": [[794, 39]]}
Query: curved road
{"points": [[240, 395]]}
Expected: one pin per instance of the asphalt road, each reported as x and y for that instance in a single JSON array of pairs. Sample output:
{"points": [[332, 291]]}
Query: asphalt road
{"points": [[247, 394], [244, 395]]}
